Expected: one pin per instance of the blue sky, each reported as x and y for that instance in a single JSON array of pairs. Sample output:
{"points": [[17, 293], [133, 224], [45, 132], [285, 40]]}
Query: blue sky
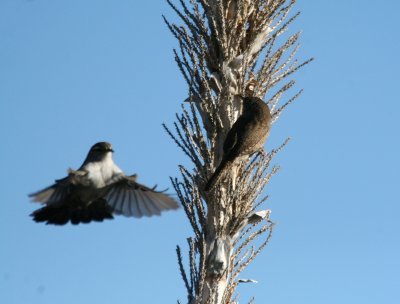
{"points": [[76, 72]]}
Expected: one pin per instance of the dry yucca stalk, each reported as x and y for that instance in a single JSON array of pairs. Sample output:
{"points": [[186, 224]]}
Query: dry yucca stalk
{"points": [[227, 49]]}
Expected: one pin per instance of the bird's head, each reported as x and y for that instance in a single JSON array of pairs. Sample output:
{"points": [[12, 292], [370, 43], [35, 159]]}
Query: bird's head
{"points": [[102, 147], [99, 151]]}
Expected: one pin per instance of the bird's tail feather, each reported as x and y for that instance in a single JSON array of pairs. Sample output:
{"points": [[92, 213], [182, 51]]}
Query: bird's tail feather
{"points": [[61, 215], [219, 172]]}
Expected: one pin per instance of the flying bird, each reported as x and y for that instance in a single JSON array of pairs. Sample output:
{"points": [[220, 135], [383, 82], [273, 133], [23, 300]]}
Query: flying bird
{"points": [[247, 135], [96, 191]]}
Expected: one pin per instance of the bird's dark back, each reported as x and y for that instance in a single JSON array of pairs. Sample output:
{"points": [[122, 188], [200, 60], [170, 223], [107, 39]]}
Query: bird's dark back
{"points": [[250, 131], [257, 109]]}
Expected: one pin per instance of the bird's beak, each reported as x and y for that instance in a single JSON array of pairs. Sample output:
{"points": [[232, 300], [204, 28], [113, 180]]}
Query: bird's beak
{"points": [[111, 150]]}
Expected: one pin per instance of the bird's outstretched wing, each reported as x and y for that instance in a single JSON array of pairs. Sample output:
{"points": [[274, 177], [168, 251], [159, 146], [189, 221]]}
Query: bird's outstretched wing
{"points": [[57, 193], [129, 198], [53, 195]]}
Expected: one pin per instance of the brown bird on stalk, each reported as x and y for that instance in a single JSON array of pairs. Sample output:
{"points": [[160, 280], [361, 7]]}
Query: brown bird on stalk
{"points": [[247, 135], [96, 191]]}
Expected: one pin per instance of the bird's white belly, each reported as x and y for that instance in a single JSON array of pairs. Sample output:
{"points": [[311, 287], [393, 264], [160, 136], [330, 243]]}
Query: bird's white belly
{"points": [[99, 175]]}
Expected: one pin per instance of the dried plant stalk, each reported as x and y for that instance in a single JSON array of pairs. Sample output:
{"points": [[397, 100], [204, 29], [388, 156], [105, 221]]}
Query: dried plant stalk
{"points": [[227, 49]]}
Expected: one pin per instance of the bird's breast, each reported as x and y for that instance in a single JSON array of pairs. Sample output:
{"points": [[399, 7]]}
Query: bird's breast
{"points": [[99, 174]]}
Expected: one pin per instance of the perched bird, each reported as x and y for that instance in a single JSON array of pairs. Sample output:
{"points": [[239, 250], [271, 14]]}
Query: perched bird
{"points": [[247, 135], [96, 191]]}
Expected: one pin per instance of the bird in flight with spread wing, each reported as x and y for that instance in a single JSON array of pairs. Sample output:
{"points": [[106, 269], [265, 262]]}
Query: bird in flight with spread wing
{"points": [[96, 191]]}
